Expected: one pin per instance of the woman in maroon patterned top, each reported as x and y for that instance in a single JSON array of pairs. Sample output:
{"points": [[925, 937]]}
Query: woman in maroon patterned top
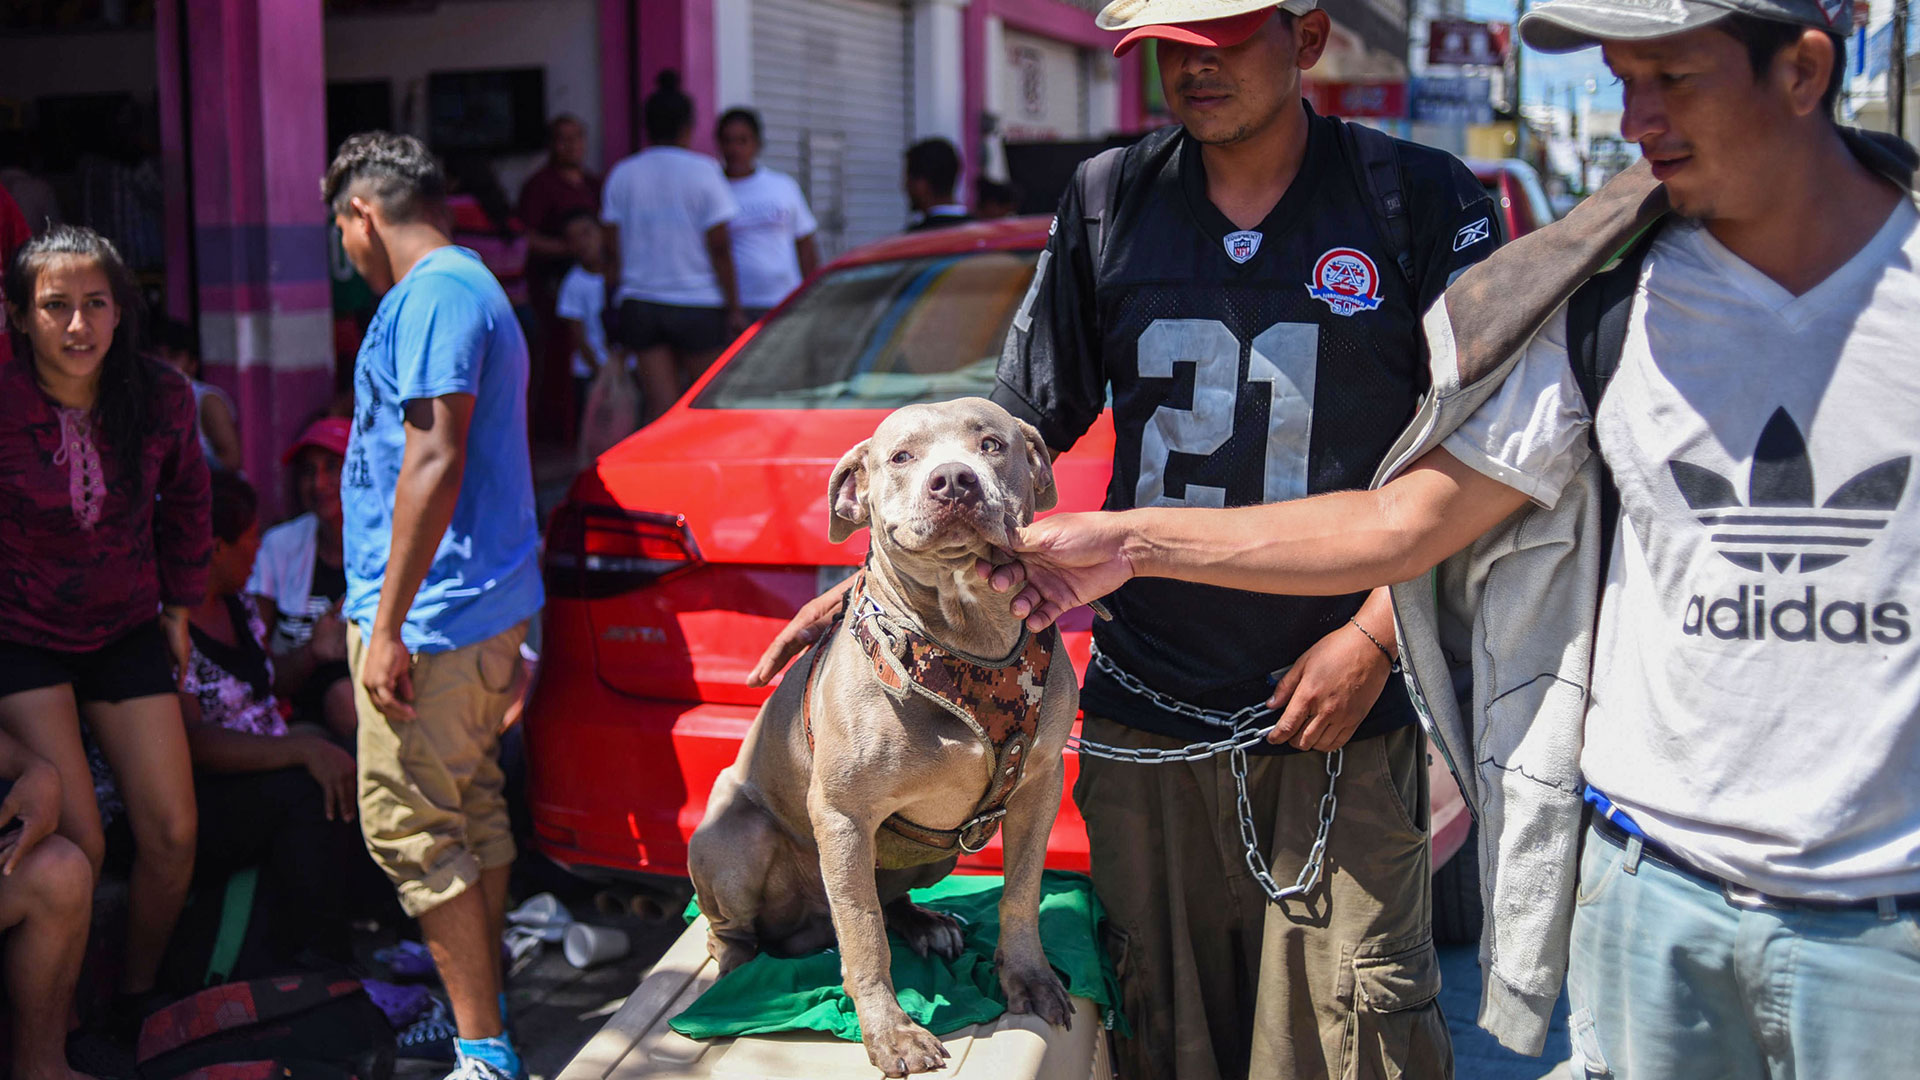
{"points": [[104, 542]]}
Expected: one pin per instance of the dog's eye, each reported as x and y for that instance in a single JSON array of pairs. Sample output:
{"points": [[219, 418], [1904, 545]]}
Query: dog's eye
{"points": [[902, 457], [991, 445]]}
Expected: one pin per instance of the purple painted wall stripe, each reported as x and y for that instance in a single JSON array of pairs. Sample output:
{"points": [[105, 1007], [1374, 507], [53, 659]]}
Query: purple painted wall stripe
{"points": [[259, 296], [242, 254]]}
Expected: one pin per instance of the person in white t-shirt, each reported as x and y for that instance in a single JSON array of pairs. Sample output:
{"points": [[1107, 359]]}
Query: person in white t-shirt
{"points": [[670, 252], [1748, 900], [773, 238], [299, 580], [582, 301]]}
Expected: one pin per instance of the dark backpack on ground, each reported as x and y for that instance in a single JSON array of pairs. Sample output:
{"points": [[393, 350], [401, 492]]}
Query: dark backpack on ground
{"points": [[293, 1027]]}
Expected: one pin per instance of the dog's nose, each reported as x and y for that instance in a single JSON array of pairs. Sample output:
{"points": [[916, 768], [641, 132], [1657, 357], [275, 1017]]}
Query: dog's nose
{"points": [[954, 482]]}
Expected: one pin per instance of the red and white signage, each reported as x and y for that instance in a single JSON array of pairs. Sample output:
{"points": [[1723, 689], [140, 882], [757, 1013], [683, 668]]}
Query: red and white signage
{"points": [[1377, 100], [1472, 44]]}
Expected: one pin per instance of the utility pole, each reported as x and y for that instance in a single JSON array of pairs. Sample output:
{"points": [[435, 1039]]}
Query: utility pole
{"points": [[1520, 9], [1897, 70]]}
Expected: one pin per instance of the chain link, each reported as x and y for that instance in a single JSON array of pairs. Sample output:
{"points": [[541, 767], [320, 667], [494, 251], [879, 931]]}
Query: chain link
{"points": [[1235, 746], [1232, 721]]}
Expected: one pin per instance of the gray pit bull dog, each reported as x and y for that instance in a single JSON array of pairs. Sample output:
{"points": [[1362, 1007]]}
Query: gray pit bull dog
{"points": [[875, 761]]}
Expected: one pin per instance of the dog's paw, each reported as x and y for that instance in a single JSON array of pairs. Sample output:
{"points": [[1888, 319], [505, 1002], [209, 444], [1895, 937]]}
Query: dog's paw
{"points": [[905, 1048], [1037, 991], [924, 930], [730, 952]]}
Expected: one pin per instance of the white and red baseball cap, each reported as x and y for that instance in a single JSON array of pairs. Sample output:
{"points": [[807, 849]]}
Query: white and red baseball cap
{"points": [[1219, 24], [329, 433]]}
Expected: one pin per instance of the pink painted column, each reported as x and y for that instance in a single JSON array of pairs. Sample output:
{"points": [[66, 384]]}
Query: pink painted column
{"points": [[256, 93], [172, 95], [619, 111], [975, 72], [678, 34]]}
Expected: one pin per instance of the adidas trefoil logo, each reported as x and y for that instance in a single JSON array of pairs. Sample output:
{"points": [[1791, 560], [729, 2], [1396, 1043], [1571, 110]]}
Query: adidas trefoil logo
{"points": [[1779, 522]]}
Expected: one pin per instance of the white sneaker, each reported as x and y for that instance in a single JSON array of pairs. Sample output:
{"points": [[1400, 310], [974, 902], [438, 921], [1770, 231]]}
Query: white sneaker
{"points": [[475, 1069]]}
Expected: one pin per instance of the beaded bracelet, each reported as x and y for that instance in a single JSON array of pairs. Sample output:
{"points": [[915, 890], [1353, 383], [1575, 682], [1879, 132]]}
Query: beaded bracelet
{"points": [[1391, 659]]}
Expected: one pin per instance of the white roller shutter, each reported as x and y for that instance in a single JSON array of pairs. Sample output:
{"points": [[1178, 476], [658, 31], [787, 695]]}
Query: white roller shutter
{"points": [[831, 80], [1043, 90]]}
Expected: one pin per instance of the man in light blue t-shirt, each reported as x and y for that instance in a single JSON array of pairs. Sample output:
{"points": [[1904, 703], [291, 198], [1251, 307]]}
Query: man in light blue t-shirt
{"points": [[440, 541]]}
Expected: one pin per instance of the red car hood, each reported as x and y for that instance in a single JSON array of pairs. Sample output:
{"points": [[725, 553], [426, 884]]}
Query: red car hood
{"points": [[752, 484]]}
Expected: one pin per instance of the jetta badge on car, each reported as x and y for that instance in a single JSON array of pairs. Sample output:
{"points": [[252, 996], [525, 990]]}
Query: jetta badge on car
{"points": [[1242, 246]]}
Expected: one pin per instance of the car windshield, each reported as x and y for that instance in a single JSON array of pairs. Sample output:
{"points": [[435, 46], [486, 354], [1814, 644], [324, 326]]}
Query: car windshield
{"points": [[881, 335]]}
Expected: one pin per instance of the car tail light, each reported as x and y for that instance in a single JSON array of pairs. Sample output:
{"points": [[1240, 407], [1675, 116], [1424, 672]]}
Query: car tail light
{"points": [[595, 552]]}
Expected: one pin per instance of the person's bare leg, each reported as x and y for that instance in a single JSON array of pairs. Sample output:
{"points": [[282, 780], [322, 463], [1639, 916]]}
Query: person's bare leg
{"points": [[145, 741], [336, 709], [659, 382], [45, 906], [493, 884], [48, 722], [694, 365], [466, 949]]}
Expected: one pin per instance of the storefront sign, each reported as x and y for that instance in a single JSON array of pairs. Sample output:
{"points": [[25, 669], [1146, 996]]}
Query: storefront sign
{"points": [[1478, 44], [1363, 99], [1452, 99]]}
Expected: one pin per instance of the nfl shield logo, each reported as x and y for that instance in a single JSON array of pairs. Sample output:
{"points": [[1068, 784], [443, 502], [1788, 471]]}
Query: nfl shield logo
{"points": [[1242, 246]]}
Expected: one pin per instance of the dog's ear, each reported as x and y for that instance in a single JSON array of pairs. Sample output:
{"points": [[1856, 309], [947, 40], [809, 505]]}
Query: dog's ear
{"points": [[1040, 467], [847, 494]]}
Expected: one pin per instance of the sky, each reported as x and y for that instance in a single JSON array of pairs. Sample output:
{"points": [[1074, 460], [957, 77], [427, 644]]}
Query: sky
{"points": [[1539, 71]]}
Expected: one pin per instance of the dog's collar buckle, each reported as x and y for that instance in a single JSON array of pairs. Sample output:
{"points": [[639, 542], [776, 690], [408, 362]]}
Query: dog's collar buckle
{"points": [[984, 826]]}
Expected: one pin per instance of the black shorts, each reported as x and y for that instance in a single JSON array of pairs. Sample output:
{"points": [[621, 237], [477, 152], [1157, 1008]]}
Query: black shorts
{"points": [[644, 324], [136, 664]]}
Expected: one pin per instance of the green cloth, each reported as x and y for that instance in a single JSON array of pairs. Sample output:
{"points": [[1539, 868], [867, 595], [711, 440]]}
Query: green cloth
{"points": [[767, 994]]}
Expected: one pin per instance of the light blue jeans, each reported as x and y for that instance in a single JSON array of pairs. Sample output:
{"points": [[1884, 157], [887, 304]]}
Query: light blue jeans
{"points": [[1670, 980]]}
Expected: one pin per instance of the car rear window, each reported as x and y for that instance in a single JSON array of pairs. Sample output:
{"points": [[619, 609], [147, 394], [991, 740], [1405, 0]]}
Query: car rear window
{"points": [[881, 335]]}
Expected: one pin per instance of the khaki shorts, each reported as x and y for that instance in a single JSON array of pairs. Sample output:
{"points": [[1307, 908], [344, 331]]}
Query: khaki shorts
{"points": [[1216, 981], [433, 803]]}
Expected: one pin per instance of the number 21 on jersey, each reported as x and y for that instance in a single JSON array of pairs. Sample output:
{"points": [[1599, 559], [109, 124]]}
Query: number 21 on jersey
{"points": [[1285, 357]]}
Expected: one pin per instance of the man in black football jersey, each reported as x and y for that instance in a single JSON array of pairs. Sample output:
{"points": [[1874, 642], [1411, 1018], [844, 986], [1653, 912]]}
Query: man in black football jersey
{"points": [[1252, 305], [1249, 290]]}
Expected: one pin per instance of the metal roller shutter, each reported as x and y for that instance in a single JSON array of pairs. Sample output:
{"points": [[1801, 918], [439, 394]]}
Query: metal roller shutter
{"points": [[831, 80]]}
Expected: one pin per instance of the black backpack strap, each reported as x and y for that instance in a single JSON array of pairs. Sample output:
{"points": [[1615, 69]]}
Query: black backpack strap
{"points": [[1376, 159], [1099, 195], [1597, 318]]}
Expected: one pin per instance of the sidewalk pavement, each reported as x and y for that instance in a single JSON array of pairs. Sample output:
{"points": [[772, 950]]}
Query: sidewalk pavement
{"points": [[1476, 1056], [556, 1008]]}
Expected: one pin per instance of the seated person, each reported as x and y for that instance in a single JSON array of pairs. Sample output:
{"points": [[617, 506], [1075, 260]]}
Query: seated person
{"points": [[46, 905], [300, 579], [274, 796]]}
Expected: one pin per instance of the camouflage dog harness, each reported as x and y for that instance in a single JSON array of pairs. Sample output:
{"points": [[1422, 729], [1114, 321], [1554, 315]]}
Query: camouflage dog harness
{"points": [[998, 700]]}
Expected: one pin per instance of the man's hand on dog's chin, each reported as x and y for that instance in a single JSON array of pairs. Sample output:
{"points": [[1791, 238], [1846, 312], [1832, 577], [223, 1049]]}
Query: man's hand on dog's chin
{"points": [[1063, 562], [803, 630]]}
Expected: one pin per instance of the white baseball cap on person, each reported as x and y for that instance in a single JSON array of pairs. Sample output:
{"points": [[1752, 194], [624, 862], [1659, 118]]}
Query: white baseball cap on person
{"points": [[1211, 23], [1566, 25]]}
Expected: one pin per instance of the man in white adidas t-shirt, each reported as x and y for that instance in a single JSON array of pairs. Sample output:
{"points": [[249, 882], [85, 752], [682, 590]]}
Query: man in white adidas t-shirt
{"points": [[1748, 894]]}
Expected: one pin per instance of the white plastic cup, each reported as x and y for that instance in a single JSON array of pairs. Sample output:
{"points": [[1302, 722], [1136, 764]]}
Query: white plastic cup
{"points": [[544, 909], [589, 946]]}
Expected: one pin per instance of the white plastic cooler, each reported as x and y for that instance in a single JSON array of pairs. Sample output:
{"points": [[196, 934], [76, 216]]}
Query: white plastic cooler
{"points": [[637, 1044]]}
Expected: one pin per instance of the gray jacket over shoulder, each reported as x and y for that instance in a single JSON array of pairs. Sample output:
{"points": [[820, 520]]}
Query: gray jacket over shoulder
{"points": [[1497, 641]]}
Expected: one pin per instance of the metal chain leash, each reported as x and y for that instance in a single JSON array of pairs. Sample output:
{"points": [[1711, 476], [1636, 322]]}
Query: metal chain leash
{"points": [[1235, 746]]}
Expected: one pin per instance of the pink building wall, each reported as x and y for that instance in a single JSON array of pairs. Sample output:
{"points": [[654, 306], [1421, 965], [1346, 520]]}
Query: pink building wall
{"points": [[1047, 18]]}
